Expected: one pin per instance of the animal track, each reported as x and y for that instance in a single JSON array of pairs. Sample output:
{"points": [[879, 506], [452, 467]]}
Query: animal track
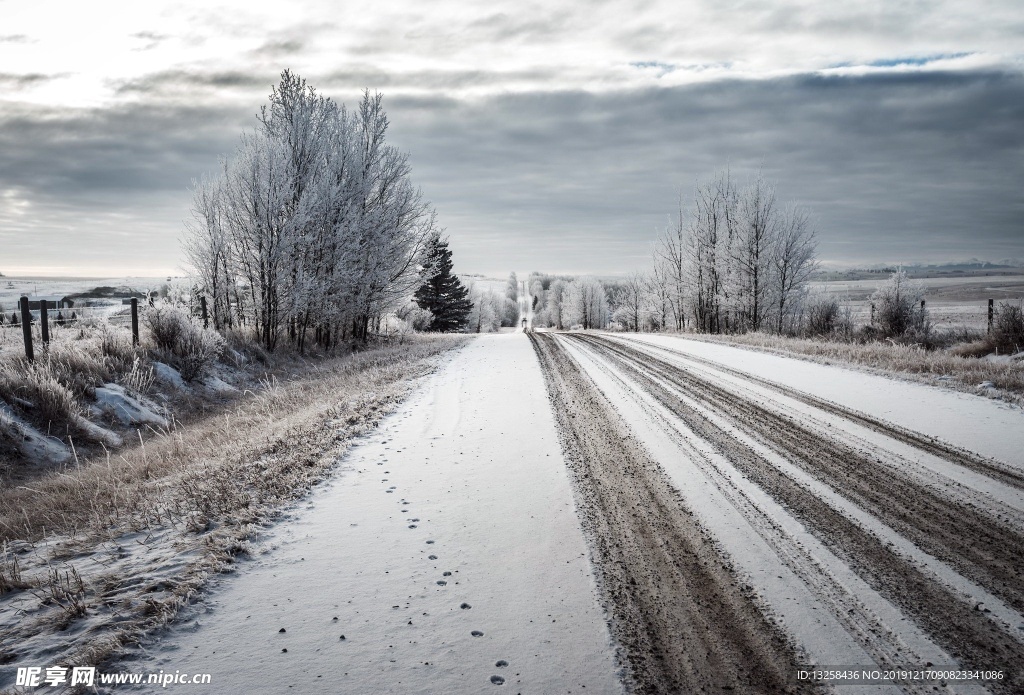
{"points": [[431, 557], [441, 582], [477, 633], [501, 663], [497, 680]]}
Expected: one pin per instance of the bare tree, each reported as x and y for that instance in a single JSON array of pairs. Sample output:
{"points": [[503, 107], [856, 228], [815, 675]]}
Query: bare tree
{"points": [[793, 262], [633, 300], [671, 257]]}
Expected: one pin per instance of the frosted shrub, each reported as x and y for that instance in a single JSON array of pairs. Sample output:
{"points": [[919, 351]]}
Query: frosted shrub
{"points": [[1008, 328], [197, 350], [116, 344], [192, 348], [897, 307], [822, 312], [168, 324]]}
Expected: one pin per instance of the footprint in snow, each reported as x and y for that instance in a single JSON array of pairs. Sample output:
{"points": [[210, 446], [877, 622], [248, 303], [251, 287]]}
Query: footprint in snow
{"points": [[441, 582], [446, 574], [430, 542], [501, 663], [465, 606], [497, 680], [477, 633], [431, 557]]}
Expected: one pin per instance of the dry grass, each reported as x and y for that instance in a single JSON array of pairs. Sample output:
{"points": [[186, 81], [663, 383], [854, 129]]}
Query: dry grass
{"points": [[39, 391], [203, 487], [142, 481], [963, 371]]}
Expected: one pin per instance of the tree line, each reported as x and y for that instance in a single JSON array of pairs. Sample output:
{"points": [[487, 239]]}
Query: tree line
{"points": [[734, 260]]}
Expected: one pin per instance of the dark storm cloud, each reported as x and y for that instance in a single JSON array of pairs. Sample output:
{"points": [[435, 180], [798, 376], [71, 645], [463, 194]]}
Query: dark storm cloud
{"points": [[102, 155], [912, 166], [279, 47], [13, 81], [364, 76], [184, 81], [500, 27], [105, 188], [898, 167], [151, 39]]}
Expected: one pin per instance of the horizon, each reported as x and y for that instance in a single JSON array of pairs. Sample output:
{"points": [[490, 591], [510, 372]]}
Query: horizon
{"points": [[499, 275]]}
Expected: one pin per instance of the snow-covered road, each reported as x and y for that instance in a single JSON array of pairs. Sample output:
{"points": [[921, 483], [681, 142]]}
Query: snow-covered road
{"points": [[720, 517], [447, 553]]}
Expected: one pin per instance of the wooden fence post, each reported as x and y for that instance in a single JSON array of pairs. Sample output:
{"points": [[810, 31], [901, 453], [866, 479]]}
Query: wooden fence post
{"points": [[202, 306], [872, 313], [135, 320], [991, 313], [922, 306], [44, 323], [26, 328]]}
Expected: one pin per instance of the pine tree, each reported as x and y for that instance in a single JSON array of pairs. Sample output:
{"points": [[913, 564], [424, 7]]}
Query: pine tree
{"points": [[442, 293]]}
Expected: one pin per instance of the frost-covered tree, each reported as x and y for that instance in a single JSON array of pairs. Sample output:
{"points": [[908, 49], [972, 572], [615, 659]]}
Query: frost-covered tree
{"points": [[585, 304], [556, 309], [632, 302], [754, 234], [735, 260], [898, 307], [793, 261], [313, 229], [512, 287], [490, 311], [671, 255], [442, 293]]}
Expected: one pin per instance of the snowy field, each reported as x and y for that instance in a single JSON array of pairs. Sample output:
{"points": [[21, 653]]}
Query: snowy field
{"points": [[951, 302], [13, 288]]}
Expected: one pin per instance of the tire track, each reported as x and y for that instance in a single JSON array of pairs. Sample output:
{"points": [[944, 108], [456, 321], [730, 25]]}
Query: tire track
{"points": [[684, 623], [964, 632], [993, 469], [980, 546], [884, 645]]}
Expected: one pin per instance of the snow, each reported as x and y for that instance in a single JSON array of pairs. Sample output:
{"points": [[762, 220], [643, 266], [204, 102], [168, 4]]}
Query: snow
{"points": [[467, 478], [33, 445], [168, 375], [127, 409], [987, 427], [218, 385]]}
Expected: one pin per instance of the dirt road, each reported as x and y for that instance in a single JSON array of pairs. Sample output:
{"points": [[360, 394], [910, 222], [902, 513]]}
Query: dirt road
{"points": [[803, 531]]}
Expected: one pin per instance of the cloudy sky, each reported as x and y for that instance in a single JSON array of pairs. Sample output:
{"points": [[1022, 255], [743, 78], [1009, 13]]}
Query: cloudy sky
{"points": [[556, 136]]}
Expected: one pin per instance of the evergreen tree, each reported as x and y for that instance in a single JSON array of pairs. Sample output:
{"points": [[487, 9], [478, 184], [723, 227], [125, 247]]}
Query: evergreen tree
{"points": [[442, 293]]}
